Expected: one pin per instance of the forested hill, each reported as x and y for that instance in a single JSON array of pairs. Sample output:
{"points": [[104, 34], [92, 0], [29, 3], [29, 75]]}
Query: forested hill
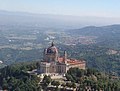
{"points": [[106, 36], [111, 30]]}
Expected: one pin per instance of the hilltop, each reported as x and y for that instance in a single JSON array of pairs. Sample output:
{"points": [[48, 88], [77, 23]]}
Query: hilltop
{"points": [[15, 77]]}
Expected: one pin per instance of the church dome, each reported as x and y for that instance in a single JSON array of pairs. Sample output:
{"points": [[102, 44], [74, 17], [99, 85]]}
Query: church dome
{"points": [[52, 49]]}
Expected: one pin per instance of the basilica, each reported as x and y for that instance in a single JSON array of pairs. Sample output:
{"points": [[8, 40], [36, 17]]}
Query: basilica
{"points": [[52, 63]]}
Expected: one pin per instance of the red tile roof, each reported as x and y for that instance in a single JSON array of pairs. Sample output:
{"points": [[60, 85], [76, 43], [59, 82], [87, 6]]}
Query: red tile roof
{"points": [[71, 61]]}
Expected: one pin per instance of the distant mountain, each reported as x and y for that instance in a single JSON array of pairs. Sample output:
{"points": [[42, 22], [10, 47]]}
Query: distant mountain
{"points": [[49, 20], [43, 20]]}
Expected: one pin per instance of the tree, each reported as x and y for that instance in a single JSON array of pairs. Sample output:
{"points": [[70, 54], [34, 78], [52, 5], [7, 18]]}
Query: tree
{"points": [[55, 83], [69, 77], [46, 80], [73, 85], [5, 85], [15, 78], [69, 85], [64, 86]]}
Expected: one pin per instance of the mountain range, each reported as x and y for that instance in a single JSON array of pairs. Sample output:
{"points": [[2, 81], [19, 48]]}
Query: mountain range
{"points": [[57, 21]]}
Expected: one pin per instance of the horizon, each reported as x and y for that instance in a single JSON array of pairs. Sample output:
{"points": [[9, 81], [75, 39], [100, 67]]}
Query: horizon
{"points": [[62, 13], [73, 8], [26, 12], [62, 21]]}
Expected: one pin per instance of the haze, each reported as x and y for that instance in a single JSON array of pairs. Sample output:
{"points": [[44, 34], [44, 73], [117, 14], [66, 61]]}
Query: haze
{"points": [[73, 13]]}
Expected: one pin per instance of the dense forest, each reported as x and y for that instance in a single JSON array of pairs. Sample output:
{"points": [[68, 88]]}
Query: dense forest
{"points": [[93, 80], [16, 78]]}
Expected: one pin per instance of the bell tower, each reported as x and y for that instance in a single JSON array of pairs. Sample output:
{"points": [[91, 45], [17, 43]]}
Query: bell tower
{"points": [[65, 57]]}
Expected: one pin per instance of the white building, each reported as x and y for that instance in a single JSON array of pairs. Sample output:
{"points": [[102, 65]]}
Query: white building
{"points": [[53, 64]]}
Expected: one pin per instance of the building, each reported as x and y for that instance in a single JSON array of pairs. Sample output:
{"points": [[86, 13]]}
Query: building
{"points": [[52, 63]]}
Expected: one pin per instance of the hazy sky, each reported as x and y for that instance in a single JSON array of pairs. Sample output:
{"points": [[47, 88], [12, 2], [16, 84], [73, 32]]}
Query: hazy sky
{"points": [[102, 8]]}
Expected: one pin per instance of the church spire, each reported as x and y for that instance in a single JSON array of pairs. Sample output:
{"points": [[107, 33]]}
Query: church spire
{"points": [[65, 57], [52, 44]]}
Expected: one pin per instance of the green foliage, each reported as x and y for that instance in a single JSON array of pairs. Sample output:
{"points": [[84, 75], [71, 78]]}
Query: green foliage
{"points": [[68, 84], [46, 80], [16, 78], [73, 85], [91, 78], [55, 83], [96, 56], [10, 56]]}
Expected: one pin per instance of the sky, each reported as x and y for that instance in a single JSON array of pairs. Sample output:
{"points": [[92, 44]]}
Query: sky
{"points": [[99, 8]]}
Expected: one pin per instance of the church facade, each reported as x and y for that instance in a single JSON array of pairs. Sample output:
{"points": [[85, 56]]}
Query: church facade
{"points": [[52, 63]]}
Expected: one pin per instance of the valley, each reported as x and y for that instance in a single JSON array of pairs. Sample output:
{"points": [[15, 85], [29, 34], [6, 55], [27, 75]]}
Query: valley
{"points": [[99, 46]]}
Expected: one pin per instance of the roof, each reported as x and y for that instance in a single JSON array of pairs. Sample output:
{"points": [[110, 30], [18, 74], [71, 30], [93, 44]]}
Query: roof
{"points": [[71, 61]]}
